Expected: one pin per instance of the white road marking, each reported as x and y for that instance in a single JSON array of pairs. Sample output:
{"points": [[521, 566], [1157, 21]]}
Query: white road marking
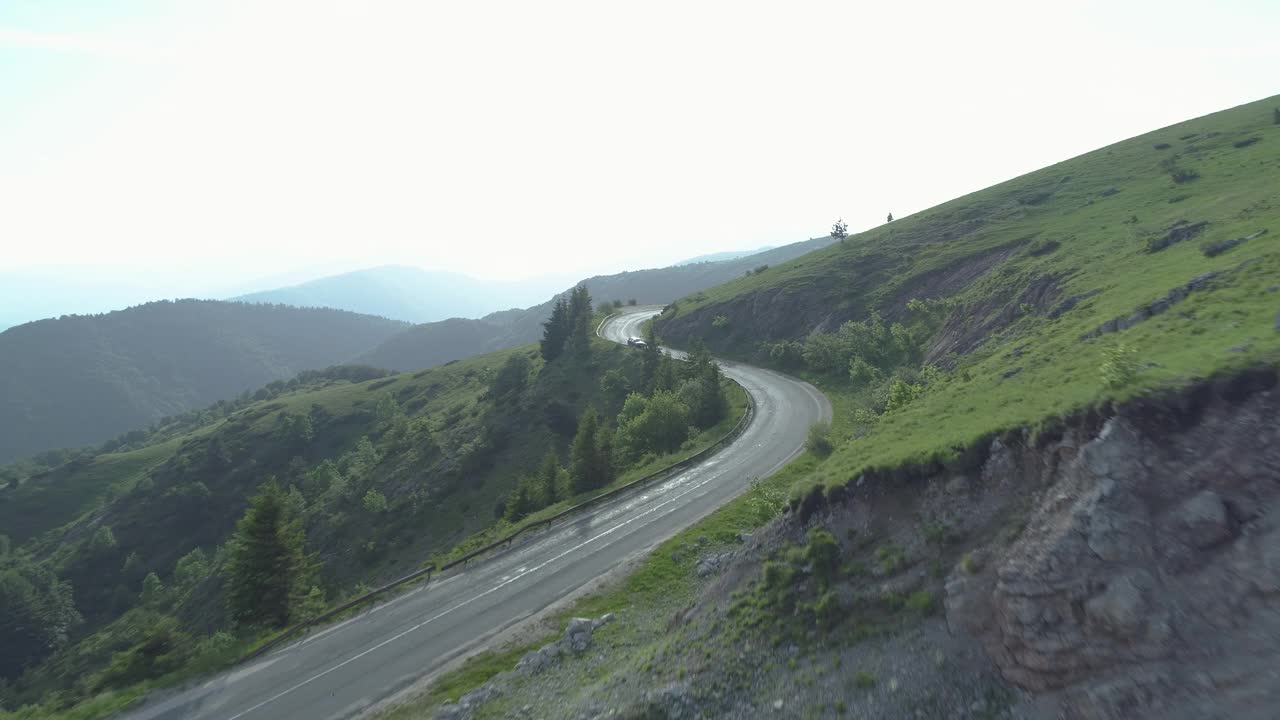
{"points": [[464, 603]]}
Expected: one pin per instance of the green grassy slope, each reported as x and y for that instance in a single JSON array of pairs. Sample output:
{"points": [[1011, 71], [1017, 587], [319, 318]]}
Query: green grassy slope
{"points": [[1019, 275]]}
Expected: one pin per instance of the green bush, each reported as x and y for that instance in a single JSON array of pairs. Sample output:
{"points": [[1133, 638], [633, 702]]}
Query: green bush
{"points": [[823, 555], [819, 440], [862, 372], [901, 394], [777, 575], [922, 602]]}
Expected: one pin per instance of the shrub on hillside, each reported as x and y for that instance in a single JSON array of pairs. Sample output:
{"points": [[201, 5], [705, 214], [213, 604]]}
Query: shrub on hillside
{"points": [[901, 394], [819, 440], [1178, 173], [823, 555]]}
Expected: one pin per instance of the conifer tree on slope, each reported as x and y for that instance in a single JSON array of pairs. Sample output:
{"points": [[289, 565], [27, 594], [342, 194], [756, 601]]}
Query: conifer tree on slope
{"points": [[555, 331], [267, 569], [591, 457]]}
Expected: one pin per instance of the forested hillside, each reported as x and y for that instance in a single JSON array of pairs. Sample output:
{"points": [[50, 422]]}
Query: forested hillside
{"points": [[434, 343], [81, 379], [356, 477]]}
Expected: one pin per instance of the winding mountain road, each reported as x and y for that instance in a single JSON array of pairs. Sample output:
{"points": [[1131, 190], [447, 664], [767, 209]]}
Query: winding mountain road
{"points": [[342, 670]]}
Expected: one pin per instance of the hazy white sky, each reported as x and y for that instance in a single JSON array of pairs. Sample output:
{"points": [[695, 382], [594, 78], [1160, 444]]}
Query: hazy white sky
{"points": [[503, 139]]}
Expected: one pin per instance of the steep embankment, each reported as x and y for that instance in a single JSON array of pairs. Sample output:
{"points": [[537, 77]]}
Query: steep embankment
{"points": [[435, 343], [83, 379]]}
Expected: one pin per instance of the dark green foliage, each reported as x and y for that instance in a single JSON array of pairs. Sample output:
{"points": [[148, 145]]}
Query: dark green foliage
{"points": [[840, 229], [819, 439], [191, 569], [702, 390], [874, 342], [83, 379], [153, 593], [556, 331], [580, 317], [786, 354], [512, 378], [569, 330], [552, 480], [591, 458], [37, 613], [266, 566], [295, 429], [823, 555], [658, 424], [521, 502], [162, 650], [615, 387]]}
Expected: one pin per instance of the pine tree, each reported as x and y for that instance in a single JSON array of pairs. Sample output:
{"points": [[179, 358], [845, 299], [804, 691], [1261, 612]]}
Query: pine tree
{"points": [[555, 331], [520, 503], [266, 566], [650, 357], [580, 322], [549, 475], [604, 457], [152, 590], [584, 456], [666, 377]]}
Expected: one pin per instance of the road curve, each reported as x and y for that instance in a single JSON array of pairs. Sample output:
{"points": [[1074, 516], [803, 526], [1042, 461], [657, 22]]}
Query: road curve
{"points": [[339, 671]]}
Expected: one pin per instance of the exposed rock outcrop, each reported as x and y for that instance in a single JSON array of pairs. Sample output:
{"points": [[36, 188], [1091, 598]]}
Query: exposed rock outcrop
{"points": [[1147, 580]]}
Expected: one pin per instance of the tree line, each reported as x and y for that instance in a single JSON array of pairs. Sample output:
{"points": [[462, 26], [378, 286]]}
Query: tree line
{"points": [[671, 402]]}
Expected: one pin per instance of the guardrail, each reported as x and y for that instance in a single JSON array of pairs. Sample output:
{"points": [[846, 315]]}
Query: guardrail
{"points": [[638, 482], [665, 472]]}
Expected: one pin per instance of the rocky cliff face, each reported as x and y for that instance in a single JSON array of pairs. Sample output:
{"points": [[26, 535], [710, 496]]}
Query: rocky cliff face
{"points": [[1147, 580]]}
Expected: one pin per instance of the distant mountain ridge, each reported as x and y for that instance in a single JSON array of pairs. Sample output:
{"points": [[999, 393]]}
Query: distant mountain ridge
{"points": [[83, 379], [408, 293], [723, 256], [431, 344]]}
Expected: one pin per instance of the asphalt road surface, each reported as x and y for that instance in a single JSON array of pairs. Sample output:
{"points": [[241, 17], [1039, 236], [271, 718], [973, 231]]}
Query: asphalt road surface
{"points": [[337, 672]]}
